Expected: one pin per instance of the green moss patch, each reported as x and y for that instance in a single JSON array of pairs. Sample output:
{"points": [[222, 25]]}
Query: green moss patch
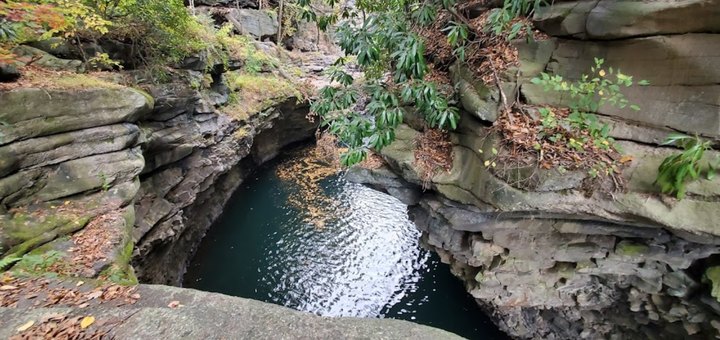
{"points": [[629, 248], [712, 274], [255, 93]]}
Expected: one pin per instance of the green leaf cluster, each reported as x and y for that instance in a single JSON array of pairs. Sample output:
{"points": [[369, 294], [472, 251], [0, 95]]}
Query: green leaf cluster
{"points": [[500, 19], [383, 43], [8, 261], [587, 95], [678, 169]]}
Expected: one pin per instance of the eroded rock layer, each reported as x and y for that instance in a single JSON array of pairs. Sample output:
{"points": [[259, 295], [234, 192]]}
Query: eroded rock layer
{"points": [[551, 253]]}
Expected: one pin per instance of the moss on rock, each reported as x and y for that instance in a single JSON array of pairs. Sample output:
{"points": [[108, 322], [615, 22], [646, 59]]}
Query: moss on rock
{"points": [[629, 248], [712, 274]]}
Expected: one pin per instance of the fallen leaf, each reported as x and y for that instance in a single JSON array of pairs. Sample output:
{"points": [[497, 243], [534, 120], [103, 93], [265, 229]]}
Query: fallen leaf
{"points": [[80, 283], [94, 295], [86, 322], [625, 159], [25, 326], [8, 287], [174, 304]]}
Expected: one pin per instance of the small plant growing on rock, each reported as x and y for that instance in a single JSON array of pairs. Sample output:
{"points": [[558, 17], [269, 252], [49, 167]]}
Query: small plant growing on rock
{"points": [[588, 95], [676, 170], [7, 262], [40, 262], [106, 183], [579, 130]]}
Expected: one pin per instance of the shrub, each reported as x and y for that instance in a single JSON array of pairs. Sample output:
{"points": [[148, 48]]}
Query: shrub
{"points": [[587, 95], [678, 169]]}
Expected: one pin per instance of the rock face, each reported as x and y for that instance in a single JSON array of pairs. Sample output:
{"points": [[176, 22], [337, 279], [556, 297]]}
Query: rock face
{"points": [[203, 315], [156, 169], [195, 161], [257, 23], [611, 19], [547, 256], [71, 159]]}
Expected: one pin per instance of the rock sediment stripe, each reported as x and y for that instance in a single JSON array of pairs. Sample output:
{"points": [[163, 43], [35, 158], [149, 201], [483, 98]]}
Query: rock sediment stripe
{"points": [[201, 315], [609, 19], [34, 112]]}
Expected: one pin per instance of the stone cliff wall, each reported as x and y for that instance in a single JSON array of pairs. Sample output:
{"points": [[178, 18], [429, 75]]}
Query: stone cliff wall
{"points": [[552, 258], [154, 169], [196, 158]]}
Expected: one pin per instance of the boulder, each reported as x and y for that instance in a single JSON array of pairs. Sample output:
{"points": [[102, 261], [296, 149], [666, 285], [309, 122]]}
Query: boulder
{"points": [[617, 19], [8, 72], [470, 182], [35, 112], [475, 97], [99, 172], [257, 23], [564, 19], [54, 149], [203, 315], [46, 60]]}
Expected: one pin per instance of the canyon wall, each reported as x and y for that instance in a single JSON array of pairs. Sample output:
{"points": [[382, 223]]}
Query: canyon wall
{"points": [[144, 173], [549, 254]]}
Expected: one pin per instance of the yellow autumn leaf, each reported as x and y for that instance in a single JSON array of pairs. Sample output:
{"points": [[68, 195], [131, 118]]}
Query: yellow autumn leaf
{"points": [[626, 158], [487, 163], [86, 322], [25, 326]]}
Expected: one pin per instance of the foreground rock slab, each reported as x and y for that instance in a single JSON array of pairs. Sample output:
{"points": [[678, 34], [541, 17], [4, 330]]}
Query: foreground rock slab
{"points": [[164, 312]]}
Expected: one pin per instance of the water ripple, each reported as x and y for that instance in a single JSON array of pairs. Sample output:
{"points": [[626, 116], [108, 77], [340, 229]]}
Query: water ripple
{"points": [[320, 244]]}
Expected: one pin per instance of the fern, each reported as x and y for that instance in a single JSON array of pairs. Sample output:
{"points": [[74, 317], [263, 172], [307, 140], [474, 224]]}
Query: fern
{"points": [[7, 262]]}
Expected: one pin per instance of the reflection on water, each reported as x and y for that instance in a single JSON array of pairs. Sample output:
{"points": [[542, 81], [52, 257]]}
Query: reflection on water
{"points": [[303, 237]]}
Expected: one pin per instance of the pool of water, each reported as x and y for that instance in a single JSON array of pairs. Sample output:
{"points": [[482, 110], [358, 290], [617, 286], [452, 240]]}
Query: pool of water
{"points": [[297, 234]]}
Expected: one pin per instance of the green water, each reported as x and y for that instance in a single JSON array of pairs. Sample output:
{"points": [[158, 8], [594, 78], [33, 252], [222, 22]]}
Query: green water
{"points": [[317, 243]]}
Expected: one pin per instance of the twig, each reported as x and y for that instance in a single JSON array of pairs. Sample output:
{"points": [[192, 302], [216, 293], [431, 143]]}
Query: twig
{"points": [[503, 98], [33, 59]]}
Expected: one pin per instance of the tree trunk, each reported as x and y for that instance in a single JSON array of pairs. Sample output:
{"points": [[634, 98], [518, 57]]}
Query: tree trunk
{"points": [[280, 22]]}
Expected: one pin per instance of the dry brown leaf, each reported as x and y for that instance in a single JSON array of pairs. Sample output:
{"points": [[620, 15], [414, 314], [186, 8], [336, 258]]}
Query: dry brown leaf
{"points": [[26, 326]]}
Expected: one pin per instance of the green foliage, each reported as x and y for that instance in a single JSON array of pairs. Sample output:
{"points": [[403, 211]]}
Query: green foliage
{"points": [[587, 95], [383, 42], [106, 184], [163, 29], [241, 47], [40, 262], [103, 61], [678, 169], [457, 37], [501, 19], [581, 130], [7, 262]]}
